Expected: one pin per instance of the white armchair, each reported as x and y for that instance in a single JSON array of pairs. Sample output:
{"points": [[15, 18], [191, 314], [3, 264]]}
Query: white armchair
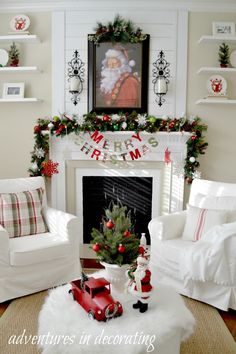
{"points": [[170, 251], [36, 262]]}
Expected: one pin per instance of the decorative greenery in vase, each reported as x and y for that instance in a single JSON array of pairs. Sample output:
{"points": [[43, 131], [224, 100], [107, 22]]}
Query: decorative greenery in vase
{"points": [[224, 55], [116, 243], [14, 54]]}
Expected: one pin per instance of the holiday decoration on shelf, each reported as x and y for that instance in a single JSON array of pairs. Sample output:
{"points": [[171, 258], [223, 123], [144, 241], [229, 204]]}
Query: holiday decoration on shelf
{"points": [[140, 283], [14, 54], [119, 30], [135, 123], [114, 246], [167, 156], [223, 55]]}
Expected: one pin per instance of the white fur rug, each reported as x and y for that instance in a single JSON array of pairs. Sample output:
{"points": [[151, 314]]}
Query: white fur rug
{"points": [[64, 327]]}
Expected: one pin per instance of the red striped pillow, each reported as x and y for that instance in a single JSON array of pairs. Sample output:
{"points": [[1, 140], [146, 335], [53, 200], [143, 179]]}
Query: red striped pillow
{"points": [[199, 221], [21, 213]]}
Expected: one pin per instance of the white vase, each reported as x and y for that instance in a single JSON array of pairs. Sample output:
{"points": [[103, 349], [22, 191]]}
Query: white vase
{"points": [[116, 275]]}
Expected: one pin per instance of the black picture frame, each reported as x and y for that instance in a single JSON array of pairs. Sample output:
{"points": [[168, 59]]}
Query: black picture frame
{"points": [[138, 53]]}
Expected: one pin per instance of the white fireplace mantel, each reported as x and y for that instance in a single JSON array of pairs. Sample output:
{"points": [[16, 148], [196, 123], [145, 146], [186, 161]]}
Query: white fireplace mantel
{"points": [[69, 148]]}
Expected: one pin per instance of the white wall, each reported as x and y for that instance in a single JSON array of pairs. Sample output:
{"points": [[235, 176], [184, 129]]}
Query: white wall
{"points": [[219, 162], [168, 32], [17, 120]]}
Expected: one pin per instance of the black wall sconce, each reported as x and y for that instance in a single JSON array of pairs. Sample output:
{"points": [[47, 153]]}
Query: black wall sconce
{"points": [[161, 74], [76, 77]]}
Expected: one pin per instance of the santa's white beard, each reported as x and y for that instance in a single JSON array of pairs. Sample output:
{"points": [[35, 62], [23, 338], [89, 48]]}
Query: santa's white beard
{"points": [[111, 76]]}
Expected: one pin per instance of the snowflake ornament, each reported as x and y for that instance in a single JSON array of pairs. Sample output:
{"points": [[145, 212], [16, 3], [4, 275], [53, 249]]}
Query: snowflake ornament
{"points": [[34, 167], [142, 120], [49, 168], [39, 152], [196, 174]]}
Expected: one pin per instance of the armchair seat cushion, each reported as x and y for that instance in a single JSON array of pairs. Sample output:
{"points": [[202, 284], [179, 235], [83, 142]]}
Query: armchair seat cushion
{"points": [[172, 250], [37, 249]]}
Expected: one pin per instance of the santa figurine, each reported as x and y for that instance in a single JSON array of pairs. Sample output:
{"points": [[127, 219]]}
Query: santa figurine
{"points": [[139, 284]]}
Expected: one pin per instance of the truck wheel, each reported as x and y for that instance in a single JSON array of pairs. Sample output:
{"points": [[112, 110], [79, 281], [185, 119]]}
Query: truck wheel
{"points": [[71, 292], [91, 315]]}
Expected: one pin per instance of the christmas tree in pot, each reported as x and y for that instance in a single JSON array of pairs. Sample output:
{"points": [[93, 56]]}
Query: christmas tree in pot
{"points": [[116, 243]]}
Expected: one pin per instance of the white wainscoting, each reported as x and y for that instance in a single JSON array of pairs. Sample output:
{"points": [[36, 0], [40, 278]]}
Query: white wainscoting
{"points": [[168, 31]]}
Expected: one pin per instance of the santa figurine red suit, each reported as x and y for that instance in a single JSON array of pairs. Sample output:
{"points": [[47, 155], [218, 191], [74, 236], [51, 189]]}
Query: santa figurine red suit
{"points": [[139, 284]]}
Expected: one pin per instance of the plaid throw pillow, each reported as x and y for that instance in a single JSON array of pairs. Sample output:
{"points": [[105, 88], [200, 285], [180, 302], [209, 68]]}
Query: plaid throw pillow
{"points": [[21, 213]]}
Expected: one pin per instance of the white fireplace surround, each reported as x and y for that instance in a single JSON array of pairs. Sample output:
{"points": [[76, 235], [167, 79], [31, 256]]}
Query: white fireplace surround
{"points": [[168, 182]]}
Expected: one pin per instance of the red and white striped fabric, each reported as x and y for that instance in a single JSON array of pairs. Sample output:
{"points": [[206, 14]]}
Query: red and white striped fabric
{"points": [[21, 213], [199, 221]]}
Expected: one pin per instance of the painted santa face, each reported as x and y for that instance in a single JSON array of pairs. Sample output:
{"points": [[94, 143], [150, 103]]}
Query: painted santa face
{"points": [[113, 63]]}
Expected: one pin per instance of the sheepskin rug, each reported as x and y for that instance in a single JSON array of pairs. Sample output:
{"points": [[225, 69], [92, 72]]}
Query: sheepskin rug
{"points": [[64, 326]]}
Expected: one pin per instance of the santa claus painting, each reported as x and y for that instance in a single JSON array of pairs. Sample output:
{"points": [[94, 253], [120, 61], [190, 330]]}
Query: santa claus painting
{"points": [[119, 82]]}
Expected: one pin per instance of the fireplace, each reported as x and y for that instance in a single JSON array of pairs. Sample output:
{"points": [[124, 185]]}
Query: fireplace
{"points": [[75, 166]]}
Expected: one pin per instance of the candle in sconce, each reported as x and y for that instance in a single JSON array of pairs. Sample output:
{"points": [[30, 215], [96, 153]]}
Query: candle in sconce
{"points": [[161, 86], [74, 84]]}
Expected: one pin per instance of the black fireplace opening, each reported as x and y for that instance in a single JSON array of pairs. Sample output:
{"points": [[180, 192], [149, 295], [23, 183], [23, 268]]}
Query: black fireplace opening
{"points": [[133, 192]]}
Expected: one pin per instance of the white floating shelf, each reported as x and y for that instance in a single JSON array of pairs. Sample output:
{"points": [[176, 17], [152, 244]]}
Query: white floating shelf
{"points": [[217, 39], [32, 38], [205, 70], [215, 101], [21, 100], [18, 69]]}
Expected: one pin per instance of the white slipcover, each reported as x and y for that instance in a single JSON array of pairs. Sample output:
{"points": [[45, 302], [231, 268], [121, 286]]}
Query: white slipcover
{"points": [[33, 263], [169, 251]]}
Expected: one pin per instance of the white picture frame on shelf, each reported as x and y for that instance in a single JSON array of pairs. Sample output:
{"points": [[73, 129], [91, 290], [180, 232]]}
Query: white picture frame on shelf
{"points": [[223, 29], [13, 90]]}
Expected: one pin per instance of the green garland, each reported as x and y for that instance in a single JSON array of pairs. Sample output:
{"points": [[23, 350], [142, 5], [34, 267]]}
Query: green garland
{"points": [[119, 30], [64, 125]]}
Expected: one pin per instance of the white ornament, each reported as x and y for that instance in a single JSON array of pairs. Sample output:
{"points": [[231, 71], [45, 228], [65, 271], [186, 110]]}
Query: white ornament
{"points": [[124, 125], [50, 125], [115, 117], [34, 167], [197, 174], [45, 132], [132, 63], [192, 159], [192, 118], [39, 152], [141, 119]]}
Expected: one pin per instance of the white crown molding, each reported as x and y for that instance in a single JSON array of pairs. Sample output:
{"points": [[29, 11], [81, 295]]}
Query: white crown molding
{"points": [[62, 5]]}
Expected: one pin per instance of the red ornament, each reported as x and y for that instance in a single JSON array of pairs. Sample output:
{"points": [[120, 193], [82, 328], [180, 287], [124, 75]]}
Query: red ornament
{"points": [[106, 118], [127, 233], [167, 156], [49, 168], [37, 129], [194, 137], [141, 250], [96, 247], [121, 248], [110, 224], [171, 125]]}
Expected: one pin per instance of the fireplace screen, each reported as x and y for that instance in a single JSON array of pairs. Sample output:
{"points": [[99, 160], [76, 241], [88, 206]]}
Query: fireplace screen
{"points": [[134, 192]]}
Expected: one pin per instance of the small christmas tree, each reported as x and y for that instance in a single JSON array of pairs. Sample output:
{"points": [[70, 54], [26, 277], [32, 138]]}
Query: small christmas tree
{"points": [[14, 54], [116, 244], [224, 55]]}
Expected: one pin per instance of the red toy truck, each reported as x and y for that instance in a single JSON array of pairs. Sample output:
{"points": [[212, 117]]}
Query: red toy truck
{"points": [[94, 295]]}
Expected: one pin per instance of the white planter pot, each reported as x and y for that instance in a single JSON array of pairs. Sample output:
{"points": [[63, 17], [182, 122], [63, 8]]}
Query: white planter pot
{"points": [[116, 275]]}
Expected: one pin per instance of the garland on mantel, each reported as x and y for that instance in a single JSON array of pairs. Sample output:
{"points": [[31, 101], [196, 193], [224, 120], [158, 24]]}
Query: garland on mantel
{"points": [[64, 125]]}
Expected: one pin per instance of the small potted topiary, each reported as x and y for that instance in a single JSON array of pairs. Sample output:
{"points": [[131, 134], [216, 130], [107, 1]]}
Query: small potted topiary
{"points": [[223, 55], [14, 54]]}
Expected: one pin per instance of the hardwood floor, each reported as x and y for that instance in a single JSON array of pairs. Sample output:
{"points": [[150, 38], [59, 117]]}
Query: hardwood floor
{"points": [[88, 266]]}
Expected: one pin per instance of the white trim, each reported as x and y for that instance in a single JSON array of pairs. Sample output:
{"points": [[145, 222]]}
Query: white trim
{"points": [[181, 64], [195, 6], [58, 62]]}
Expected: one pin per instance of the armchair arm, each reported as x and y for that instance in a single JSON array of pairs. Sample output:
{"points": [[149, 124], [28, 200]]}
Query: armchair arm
{"points": [[167, 227], [4, 246], [64, 224]]}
